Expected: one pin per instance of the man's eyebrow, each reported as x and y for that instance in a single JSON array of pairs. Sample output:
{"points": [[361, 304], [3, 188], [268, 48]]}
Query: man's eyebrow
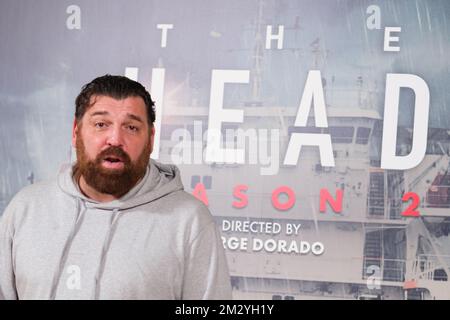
{"points": [[134, 117], [129, 115], [99, 113]]}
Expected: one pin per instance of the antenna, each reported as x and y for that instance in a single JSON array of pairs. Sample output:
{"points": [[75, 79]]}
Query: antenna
{"points": [[258, 52]]}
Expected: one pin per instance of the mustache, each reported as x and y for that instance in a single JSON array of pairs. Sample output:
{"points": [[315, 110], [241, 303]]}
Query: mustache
{"points": [[113, 152]]}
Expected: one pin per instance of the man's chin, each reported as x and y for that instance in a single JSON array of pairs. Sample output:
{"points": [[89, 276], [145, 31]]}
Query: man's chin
{"points": [[110, 181], [111, 172]]}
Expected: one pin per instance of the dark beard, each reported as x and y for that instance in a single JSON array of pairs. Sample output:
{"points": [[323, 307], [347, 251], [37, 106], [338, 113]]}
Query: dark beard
{"points": [[116, 182]]}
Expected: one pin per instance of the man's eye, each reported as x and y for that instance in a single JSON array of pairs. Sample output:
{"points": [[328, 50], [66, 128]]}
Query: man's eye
{"points": [[133, 128], [100, 125]]}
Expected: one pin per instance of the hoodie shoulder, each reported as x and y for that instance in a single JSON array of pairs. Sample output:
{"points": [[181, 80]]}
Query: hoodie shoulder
{"points": [[189, 210], [31, 195], [28, 197], [189, 205], [39, 190]]}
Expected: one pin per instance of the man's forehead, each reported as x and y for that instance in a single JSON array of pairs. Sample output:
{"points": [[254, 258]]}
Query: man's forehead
{"points": [[111, 105], [107, 100]]}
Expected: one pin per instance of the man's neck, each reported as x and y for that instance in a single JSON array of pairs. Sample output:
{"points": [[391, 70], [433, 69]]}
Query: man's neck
{"points": [[91, 193]]}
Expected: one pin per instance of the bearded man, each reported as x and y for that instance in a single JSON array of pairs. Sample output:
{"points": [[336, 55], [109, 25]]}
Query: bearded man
{"points": [[116, 224]]}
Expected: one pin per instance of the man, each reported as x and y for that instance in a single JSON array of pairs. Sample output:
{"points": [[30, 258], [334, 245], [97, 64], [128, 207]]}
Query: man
{"points": [[116, 224]]}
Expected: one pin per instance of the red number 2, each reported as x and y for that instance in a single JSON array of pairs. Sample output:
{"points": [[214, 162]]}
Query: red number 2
{"points": [[410, 211]]}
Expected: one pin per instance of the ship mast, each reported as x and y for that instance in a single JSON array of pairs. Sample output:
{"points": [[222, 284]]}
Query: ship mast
{"points": [[258, 53]]}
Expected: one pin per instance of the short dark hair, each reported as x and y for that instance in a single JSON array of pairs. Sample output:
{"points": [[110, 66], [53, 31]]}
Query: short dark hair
{"points": [[117, 87]]}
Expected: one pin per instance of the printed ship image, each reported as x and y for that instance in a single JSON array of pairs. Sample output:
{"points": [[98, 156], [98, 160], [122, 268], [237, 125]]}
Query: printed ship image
{"points": [[371, 250]]}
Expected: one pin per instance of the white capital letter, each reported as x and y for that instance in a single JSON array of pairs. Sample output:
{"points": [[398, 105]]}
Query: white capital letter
{"points": [[313, 91], [394, 82], [164, 28], [132, 73], [217, 115], [157, 93], [278, 37], [388, 38]]}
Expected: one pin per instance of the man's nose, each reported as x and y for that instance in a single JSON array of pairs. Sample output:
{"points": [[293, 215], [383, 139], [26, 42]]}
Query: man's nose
{"points": [[115, 137]]}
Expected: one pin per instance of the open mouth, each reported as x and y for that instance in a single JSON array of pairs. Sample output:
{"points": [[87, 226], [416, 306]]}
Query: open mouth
{"points": [[112, 159], [113, 162]]}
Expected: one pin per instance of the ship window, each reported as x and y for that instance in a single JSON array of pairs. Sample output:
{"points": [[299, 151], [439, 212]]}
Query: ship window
{"points": [[276, 297], [440, 275], [342, 134], [194, 181], [226, 126], [191, 129], [168, 129], [362, 135], [304, 129], [207, 181]]}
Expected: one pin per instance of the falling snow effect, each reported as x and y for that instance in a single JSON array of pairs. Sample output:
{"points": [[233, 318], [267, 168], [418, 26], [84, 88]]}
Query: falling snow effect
{"points": [[37, 91], [44, 65]]}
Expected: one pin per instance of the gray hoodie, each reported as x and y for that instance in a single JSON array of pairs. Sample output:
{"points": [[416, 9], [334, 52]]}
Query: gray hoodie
{"points": [[156, 242]]}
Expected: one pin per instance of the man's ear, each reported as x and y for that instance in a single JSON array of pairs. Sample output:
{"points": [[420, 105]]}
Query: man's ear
{"points": [[74, 133], [152, 137]]}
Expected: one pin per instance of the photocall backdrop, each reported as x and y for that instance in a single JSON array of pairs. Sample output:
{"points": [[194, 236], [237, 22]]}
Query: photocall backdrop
{"points": [[317, 132]]}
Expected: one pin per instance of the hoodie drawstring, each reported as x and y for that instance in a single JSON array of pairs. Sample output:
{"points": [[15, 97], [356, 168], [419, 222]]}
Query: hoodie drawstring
{"points": [[106, 245], [67, 245], [62, 262]]}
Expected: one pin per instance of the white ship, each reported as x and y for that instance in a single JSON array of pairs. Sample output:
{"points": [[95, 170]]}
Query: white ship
{"points": [[372, 251]]}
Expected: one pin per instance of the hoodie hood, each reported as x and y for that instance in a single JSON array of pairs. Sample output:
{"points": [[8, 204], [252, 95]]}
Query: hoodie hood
{"points": [[158, 181]]}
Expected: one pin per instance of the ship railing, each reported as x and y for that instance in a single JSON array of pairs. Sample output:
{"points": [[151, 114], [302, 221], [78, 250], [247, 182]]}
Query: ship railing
{"points": [[428, 267], [432, 166], [384, 269], [437, 197]]}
